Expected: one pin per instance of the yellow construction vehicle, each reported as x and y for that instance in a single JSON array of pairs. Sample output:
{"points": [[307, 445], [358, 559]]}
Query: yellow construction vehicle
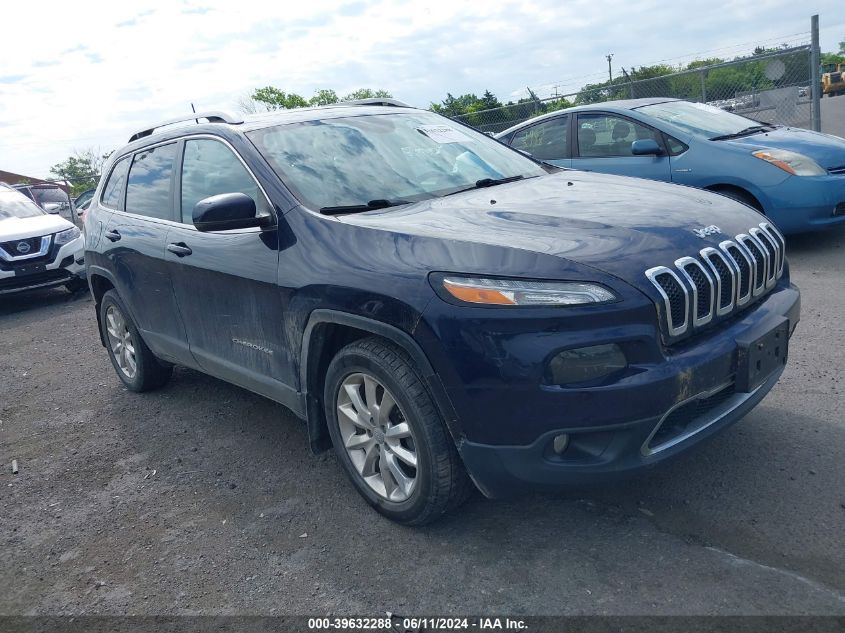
{"points": [[833, 79]]}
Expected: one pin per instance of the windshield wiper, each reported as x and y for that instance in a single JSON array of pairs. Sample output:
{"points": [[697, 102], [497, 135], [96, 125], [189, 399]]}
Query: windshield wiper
{"points": [[487, 182], [354, 208], [746, 132]]}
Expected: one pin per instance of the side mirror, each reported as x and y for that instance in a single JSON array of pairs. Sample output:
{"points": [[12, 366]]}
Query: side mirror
{"points": [[227, 211], [645, 146], [52, 207]]}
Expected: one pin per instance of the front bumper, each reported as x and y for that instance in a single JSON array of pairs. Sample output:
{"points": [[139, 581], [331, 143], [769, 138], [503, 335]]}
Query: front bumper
{"points": [[662, 409], [63, 264], [802, 204]]}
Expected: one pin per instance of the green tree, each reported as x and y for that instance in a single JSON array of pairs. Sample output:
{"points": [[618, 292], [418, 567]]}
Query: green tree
{"points": [[82, 169], [274, 99], [323, 97], [367, 93]]}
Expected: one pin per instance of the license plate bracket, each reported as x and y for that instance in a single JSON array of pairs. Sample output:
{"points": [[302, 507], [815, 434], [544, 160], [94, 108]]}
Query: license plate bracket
{"points": [[30, 269], [759, 356]]}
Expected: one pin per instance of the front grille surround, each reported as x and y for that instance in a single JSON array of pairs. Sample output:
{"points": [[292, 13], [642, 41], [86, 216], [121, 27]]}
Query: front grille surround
{"points": [[780, 244], [718, 281], [702, 289], [39, 246], [743, 265], [758, 256], [771, 250], [725, 277], [657, 273]]}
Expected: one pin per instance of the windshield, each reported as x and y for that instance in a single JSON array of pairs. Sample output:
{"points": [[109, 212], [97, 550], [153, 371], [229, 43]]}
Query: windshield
{"points": [[402, 157], [17, 205], [699, 118]]}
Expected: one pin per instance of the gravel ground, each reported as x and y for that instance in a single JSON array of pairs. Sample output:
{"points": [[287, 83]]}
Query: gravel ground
{"points": [[202, 498]]}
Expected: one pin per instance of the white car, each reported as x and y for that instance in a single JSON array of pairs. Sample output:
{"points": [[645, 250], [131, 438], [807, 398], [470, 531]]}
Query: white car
{"points": [[37, 249]]}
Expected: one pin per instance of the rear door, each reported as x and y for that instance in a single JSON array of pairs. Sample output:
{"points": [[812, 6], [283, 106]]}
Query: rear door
{"points": [[604, 141], [226, 282], [133, 245], [547, 140]]}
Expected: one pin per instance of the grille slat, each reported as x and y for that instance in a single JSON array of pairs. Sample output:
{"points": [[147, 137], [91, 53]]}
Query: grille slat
{"points": [[719, 281], [759, 262]]}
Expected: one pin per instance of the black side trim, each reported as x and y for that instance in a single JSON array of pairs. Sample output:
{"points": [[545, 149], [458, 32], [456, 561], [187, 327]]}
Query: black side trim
{"points": [[315, 421]]}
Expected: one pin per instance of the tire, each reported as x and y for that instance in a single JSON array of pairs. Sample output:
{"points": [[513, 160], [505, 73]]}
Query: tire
{"points": [[122, 337], [411, 426]]}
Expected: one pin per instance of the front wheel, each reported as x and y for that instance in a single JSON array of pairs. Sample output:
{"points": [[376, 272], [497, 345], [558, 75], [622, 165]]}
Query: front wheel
{"points": [[389, 435]]}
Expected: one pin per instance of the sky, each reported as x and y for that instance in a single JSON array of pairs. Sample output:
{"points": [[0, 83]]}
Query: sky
{"points": [[80, 75]]}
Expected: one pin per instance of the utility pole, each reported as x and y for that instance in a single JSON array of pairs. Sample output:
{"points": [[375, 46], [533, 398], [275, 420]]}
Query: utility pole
{"points": [[609, 69]]}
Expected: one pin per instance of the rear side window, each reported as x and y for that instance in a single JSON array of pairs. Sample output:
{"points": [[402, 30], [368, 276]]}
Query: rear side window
{"points": [[148, 190], [116, 184], [544, 141], [210, 168]]}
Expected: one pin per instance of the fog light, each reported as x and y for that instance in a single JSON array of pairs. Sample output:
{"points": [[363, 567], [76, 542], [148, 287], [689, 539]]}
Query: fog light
{"points": [[585, 364], [560, 443]]}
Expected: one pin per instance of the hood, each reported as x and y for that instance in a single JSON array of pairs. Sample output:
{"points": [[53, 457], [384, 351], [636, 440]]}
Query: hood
{"points": [[18, 228], [827, 150], [619, 225]]}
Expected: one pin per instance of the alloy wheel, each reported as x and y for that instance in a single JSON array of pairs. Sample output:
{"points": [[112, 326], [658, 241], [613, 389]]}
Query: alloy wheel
{"points": [[377, 437], [121, 342]]}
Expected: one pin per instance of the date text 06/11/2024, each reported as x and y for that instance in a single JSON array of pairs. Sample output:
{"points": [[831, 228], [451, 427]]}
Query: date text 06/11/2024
{"points": [[417, 623]]}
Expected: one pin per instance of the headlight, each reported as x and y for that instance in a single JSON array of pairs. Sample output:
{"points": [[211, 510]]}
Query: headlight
{"points": [[67, 235], [791, 162], [516, 292]]}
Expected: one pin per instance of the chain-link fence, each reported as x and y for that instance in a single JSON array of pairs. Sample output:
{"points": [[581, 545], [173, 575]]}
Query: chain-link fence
{"points": [[773, 86]]}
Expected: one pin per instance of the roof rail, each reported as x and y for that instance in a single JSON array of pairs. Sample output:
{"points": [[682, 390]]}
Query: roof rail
{"points": [[377, 101], [211, 117]]}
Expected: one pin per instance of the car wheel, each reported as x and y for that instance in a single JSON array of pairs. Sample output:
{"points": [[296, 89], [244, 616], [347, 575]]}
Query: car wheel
{"points": [[389, 436], [133, 361]]}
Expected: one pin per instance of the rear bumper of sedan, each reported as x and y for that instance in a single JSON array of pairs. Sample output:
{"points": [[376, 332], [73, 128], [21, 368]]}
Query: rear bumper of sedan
{"points": [[62, 266], [803, 204], [520, 435]]}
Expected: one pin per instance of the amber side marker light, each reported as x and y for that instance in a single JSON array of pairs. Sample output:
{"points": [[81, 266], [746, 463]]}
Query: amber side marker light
{"points": [[518, 292]]}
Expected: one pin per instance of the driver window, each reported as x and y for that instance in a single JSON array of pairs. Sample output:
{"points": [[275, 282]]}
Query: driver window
{"points": [[210, 168], [605, 135], [544, 141]]}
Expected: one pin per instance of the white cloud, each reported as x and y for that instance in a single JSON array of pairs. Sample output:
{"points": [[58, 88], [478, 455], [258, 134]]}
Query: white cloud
{"points": [[89, 74]]}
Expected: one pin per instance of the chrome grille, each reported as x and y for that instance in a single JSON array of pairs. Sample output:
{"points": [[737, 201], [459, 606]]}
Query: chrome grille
{"points": [[724, 277], [719, 281]]}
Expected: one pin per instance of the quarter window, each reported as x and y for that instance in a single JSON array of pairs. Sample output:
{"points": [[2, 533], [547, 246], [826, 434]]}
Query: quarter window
{"points": [[116, 184], [675, 146], [148, 188], [606, 135], [544, 141], [210, 168]]}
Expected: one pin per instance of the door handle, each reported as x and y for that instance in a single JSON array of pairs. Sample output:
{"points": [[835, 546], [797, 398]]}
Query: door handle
{"points": [[113, 235], [180, 249]]}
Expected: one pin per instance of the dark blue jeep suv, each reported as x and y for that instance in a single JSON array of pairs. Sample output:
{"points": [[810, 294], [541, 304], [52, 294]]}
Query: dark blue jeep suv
{"points": [[442, 309]]}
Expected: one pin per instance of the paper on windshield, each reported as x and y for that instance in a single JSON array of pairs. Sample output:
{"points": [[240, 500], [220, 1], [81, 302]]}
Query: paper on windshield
{"points": [[444, 134]]}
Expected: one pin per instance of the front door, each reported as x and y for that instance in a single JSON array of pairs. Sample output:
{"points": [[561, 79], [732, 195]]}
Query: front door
{"points": [[604, 145], [225, 282]]}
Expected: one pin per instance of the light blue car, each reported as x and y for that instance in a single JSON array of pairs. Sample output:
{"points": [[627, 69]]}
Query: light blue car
{"points": [[795, 176]]}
